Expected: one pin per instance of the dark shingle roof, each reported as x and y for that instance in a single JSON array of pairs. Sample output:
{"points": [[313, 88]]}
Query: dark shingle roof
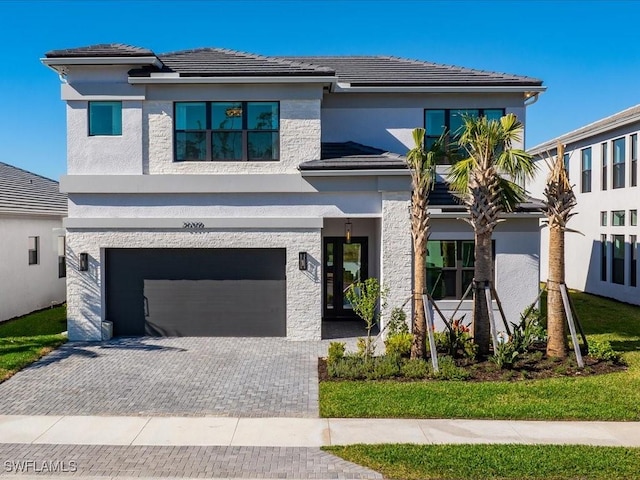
{"points": [[385, 70], [23, 192], [101, 50], [353, 156], [219, 62]]}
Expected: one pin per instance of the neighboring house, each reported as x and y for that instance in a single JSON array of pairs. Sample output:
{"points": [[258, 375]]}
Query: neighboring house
{"points": [[211, 192], [602, 161], [32, 257]]}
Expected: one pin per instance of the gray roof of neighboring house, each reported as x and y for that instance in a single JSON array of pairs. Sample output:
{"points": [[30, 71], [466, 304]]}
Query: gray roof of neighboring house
{"points": [[355, 70], [353, 156], [101, 50], [386, 70], [620, 119], [26, 193]]}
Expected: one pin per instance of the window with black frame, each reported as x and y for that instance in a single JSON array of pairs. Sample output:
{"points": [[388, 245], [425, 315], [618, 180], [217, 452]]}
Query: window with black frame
{"points": [[619, 154], [585, 155], [450, 267], [450, 124], [227, 131]]}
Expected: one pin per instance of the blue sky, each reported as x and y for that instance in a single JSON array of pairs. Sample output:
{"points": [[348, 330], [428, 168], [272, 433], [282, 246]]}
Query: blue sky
{"points": [[587, 52]]}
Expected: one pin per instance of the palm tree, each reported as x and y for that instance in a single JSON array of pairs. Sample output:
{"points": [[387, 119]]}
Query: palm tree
{"points": [[488, 182], [421, 164], [558, 203]]}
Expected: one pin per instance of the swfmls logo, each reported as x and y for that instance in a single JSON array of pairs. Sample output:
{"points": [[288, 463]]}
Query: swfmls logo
{"points": [[33, 466]]}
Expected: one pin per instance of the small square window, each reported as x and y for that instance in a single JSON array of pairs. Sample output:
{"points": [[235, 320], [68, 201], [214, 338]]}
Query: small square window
{"points": [[34, 244], [105, 118], [603, 219], [633, 218], [617, 218]]}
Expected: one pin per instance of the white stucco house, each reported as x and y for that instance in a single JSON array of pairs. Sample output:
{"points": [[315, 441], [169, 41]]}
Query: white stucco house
{"points": [[602, 161], [215, 192], [32, 253]]}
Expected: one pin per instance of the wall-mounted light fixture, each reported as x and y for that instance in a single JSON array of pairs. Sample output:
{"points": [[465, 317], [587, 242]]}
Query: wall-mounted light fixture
{"points": [[303, 262], [347, 230], [83, 265]]}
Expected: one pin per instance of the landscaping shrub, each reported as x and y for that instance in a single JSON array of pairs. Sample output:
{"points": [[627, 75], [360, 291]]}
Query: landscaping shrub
{"points": [[602, 351], [456, 341], [336, 351], [398, 344], [397, 322], [505, 355], [448, 370], [415, 369], [350, 367], [384, 367], [528, 331]]}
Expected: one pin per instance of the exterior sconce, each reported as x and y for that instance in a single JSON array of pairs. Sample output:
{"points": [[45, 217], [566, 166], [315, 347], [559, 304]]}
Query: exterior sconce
{"points": [[84, 262], [303, 262], [347, 230]]}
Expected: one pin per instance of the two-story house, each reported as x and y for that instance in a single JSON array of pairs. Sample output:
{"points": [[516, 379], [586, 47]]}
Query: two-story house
{"points": [[602, 161], [220, 193]]}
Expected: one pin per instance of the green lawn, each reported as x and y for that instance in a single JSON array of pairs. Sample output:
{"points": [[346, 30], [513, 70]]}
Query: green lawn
{"points": [[24, 340], [505, 462], [605, 397]]}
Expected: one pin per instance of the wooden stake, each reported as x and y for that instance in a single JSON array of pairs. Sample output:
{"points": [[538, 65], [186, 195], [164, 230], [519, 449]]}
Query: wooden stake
{"points": [[504, 317], [432, 339], [492, 321], [572, 327], [435, 306]]}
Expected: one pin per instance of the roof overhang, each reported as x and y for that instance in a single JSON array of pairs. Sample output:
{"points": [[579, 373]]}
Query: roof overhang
{"points": [[58, 63], [527, 90], [355, 172], [174, 78]]}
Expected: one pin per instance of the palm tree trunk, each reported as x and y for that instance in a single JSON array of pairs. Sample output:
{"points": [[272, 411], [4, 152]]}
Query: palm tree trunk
{"points": [[483, 274], [557, 342], [418, 346]]}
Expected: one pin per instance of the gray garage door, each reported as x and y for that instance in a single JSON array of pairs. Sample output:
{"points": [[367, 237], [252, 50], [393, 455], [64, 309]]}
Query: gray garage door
{"points": [[196, 292]]}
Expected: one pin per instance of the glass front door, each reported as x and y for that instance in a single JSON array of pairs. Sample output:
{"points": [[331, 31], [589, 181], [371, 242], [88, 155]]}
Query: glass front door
{"points": [[344, 264]]}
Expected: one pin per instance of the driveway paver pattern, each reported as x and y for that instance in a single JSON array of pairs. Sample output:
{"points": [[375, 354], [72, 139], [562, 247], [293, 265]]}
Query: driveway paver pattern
{"points": [[243, 377], [180, 462]]}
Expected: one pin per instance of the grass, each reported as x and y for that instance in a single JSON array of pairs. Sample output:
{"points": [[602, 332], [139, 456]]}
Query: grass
{"points": [[613, 396], [505, 462], [25, 339]]}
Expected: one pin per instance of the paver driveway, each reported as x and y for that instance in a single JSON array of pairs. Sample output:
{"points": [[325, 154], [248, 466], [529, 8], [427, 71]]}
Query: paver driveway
{"points": [[244, 377]]}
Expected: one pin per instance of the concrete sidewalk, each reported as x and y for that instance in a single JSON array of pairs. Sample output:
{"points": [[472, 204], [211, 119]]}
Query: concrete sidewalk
{"points": [[302, 432]]}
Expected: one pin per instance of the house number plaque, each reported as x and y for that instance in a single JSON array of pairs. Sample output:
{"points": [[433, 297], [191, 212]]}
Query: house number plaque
{"points": [[193, 225]]}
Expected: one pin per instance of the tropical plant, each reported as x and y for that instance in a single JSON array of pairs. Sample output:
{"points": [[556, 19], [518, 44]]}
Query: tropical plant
{"points": [[456, 339], [363, 297], [558, 202], [528, 331], [397, 322], [421, 164], [489, 183]]}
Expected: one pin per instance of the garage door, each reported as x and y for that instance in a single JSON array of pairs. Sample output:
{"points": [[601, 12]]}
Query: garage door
{"points": [[196, 292]]}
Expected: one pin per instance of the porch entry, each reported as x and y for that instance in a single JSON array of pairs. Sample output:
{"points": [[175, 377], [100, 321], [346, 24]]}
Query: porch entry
{"points": [[344, 264]]}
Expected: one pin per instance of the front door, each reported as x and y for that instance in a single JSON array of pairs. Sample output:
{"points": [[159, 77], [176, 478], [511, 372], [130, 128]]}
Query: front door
{"points": [[344, 264]]}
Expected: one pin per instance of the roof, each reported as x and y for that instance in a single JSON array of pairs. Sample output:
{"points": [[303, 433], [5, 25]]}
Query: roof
{"points": [[353, 156], [356, 71], [386, 70], [620, 119], [23, 192], [101, 50]]}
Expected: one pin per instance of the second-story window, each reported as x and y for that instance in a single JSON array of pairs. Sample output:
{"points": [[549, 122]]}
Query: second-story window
{"points": [[227, 131], [105, 118], [634, 160], [451, 123], [618, 162], [604, 154], [585, 154]]}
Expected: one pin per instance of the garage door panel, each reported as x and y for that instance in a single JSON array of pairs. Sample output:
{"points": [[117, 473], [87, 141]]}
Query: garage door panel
{"points": [[242, 307], [196, 292]]}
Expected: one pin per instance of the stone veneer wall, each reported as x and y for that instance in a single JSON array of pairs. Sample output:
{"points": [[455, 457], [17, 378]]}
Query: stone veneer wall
{"points": [[86, 306]]}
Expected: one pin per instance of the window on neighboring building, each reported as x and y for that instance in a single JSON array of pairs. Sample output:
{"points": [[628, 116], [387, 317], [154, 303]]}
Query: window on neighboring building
{"points": [[565, 160], [619, 155], [633, 261], [617, 218], [605, 162], [450, 123], [634, 160], [105, 118], [227, 131], [585, 154], [633, 218], [450, 267], [62, 260], [603, 258], [617, 266], [34, 247], [603, 219]]}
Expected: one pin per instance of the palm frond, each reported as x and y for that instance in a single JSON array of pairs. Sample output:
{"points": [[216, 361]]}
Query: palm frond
{"points": [[459, 175], [511, 194]]}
